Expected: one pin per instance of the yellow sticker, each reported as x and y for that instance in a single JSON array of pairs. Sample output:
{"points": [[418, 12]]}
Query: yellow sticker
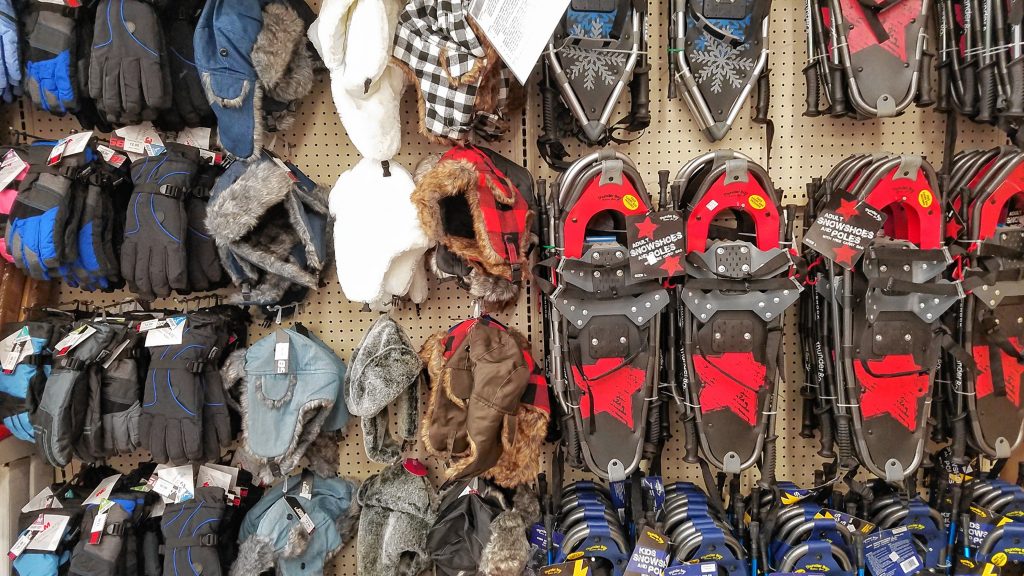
{"points": [[999, 559], [630, 202], [756, 202], [575, 555], [925, 198]]}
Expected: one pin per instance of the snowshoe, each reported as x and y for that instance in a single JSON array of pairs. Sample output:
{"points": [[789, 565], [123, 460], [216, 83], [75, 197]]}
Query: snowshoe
{"points": [[993, 324], [597, 49], [883, 45], [605, 321], [720, 51], [886, 312], [737, 289], [592, 529]]}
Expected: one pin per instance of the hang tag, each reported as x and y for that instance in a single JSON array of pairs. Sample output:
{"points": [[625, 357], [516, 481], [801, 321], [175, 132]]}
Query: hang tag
{"points": [[281, 346], [955, 473], [538, 536], [304, 520], [74, 338], [12, 168], [982, 522], [44, 499], [20, 544], [231, 471], [111, 156], [209, 477], [49, 538], [116, 353], [133, 139], [169, 335], [518, 29], [848, 521], [891, 553], [148, 325], [103, 489], [656, 244], [14, 348], [198, 137], [650, 556], [698, 569], [76, 143], [284, 167], [57, 152], [306, 485], [618, 492], [578, 567], [415, 467], [844, 229], [654, 494], [98, 522]]}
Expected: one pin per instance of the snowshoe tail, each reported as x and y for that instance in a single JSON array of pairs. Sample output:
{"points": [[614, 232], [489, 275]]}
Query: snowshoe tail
{"points": [[737, 290]]}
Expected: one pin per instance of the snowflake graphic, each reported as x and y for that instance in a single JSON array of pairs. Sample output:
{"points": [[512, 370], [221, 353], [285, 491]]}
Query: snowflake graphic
{"points": [[593, 65], [720, 62]]}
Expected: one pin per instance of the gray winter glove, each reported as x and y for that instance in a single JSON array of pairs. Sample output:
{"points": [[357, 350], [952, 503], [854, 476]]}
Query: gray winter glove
{"points": [[153, 256], [171, 424], [120, 406], [128, 77], [190, 533], [103, 557]]}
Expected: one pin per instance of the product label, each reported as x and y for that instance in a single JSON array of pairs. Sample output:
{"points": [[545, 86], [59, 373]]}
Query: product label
{"points": [[656, 244], [169, 335], [891, 553], [844, 229], [650, 556], [12, 168]]}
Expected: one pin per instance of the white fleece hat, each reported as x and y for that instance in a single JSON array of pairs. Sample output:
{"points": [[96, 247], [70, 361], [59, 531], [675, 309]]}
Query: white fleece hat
{"points": [[378, 240], [355, 39]]}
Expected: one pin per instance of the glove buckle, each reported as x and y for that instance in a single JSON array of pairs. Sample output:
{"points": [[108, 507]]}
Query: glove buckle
{"points": [[69, 363], [196, 366], [171, 191], [209, 540], [115, 529]]}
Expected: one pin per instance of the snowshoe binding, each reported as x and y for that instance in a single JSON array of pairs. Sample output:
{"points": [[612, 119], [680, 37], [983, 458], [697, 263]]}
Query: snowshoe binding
{"points": [[604, 321], [720, 51], [737, 288]]}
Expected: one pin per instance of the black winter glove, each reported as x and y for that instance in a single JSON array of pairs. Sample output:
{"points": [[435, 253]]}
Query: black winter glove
{"points": [[190, 533], [205, 271], [128, 75], [153, 258], [190, 105]]}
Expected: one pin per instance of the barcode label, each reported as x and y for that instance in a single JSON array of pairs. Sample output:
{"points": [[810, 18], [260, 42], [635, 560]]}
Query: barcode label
{"points": [[909, 565]]}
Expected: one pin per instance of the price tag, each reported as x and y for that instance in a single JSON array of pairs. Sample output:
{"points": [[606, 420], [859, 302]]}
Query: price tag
{"points": [[151, 324], [306, 485], [209, 477], [892, 553], [284, 167], [698, 569], [45, 499], [14, 348], [304, 520], [49, 538], [74, 338], [133, 139], [174, 485], [99, 521], [154, 149], [12, 168], [103, 489], [111, 156], [20, 544], [281, 352], [198, 137], [76, 143], [169, 335]]}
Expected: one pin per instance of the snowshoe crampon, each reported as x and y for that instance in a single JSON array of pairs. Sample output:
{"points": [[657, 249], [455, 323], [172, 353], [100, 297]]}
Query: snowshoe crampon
{"points": [[606, 320], [885, 311], [992, 185], [720, 53], [883, 45], [736, 291]]}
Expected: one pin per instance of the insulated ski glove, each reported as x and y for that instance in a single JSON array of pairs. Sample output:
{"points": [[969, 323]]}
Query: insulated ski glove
{"points": [[153, 258], [42, 232], [205, 271], [128, 78], [107, 556], [95, 266], [190, 105], [171, 424], [10, 66], [190, 533], [216, 418], [120, 405], [59, 411], [7, 196], [50, 59], [30, 372]]}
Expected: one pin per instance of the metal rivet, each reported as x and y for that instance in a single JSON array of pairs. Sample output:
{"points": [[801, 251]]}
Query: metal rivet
{"points": [[928, 315], [907, 337], [991, 302], [882, 268], [745, 268], [760, 304], [747, 336], [622, 340], [597, 255], [921, 305], [878, 337], [633, 309], [785, 292], [708, 306], [618, 273], [906, 267], [768, 315], [597, 273], [579, 322], [647, 304], [618, 253], [572, 308], [720, 251], [703, 316], [721, 268], [718, 335], [776, 299], [744, 249], [657, 297], [594, 342], [585, 312], [639, 318]]}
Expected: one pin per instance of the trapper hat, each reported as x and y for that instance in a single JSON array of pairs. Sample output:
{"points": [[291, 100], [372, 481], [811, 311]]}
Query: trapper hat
{"points": [[355, 39], [270, 223], [487, 409], [384, 368], [254, 64], [397, 509], [286, 408], [272, 535], [378, 240], [479, 208]]}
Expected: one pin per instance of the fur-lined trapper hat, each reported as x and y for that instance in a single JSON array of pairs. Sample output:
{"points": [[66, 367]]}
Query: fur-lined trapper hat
{"points": [[397, 509], [255, 65], [378, 241], [462, 86], [384, 369], [272, 536], [355, 39], [487, 410], [483, 221], [287, 406], [271, 226]]}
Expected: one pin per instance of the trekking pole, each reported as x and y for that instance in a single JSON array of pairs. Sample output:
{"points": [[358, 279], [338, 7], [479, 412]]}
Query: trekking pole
{"points": [[923, 98], [811, 109], [945, 57], [987, 70], [671, 50], [639, 85], [1015, 101], [836, 72]]}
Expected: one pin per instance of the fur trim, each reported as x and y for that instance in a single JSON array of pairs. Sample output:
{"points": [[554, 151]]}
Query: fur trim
{"points": [[277, 42], [213, 98], [521, 463], [298, 541], [507, 551], [496, 292], [525, 502], [432, 355], [324, 454], [348, 524], [425, 165], [239, 209], [295, 84], [255, 555]]}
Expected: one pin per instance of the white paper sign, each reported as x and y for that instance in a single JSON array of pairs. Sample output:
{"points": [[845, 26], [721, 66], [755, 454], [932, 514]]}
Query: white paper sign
{"points": [[209, 477], [53, 532], [42, 500], [133, 139], [518, 29], [11, 168], [102, 490], [169, 335]]}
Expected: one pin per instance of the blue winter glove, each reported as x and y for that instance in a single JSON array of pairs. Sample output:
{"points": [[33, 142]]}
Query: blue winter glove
{"points": [[10, 58], [50, 60], [31, 370]]}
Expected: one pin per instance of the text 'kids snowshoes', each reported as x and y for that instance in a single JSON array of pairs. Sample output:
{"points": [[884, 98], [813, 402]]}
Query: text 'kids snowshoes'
{"points": [[598, 47], [872, 57], [605, 321], [719, 52], [737, 287], [881, 312]]}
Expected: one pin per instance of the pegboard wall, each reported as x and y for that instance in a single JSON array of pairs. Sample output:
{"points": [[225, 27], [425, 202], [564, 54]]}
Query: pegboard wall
{"points": [[802, 148]]}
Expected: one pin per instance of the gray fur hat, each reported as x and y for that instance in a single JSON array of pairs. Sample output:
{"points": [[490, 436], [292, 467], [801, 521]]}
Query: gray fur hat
{"points": [[398, 508], [384, 368]]}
